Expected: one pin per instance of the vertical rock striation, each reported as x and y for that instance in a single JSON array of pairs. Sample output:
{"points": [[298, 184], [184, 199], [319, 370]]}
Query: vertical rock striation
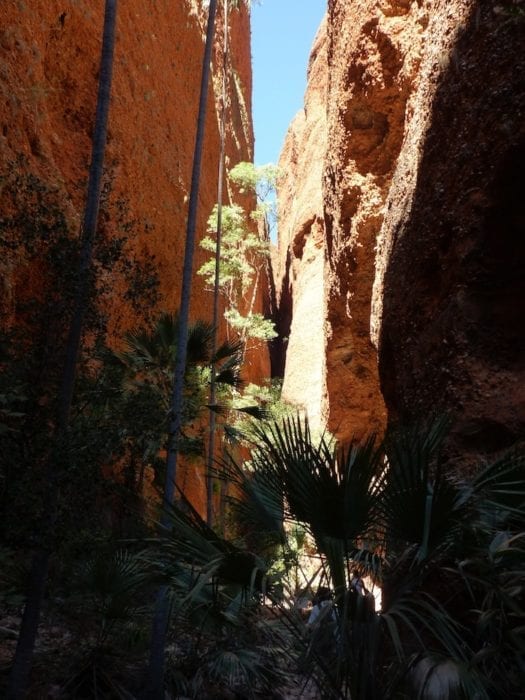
{"points": [[373, 65], [300, 275]]}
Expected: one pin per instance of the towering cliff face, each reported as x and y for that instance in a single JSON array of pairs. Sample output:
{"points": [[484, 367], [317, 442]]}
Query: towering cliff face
{"points": [[450, 290], [419, 230], [49, 57], [300, 275]]}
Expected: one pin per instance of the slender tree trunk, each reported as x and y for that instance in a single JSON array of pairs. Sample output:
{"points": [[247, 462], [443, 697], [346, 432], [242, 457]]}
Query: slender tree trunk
{"points": [[187, 273], [22, 662], [91, 210], [155, 677], [216, 285]]}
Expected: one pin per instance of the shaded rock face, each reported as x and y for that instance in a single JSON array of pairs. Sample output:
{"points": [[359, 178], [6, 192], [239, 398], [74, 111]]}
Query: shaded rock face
{"points": [[49, 62], [373, 65], [450, 292], [416, 220]]}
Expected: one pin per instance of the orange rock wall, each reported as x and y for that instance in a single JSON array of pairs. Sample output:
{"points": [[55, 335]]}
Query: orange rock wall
{"points": [[49, 55], [449, 299], [373, 64], [366, 71], [300, 274], [400, 189]]}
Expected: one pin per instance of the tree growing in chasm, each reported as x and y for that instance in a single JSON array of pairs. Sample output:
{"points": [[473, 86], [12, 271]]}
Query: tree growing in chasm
{"points": [[243, 257], [21, 668], [218, 237], [217, 244], [240, 258], [155, 674]]}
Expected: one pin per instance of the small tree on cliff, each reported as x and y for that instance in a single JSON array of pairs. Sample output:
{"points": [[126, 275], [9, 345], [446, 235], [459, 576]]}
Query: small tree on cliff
{"points": [[22, 662], [240, 255], [244, 253]]}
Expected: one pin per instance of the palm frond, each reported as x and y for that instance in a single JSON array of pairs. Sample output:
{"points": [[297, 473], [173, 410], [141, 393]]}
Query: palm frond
{"points": [[110, 585], [433, 676], [421, 619], [259, 503], [229, 376], [257, 412], [196, 544], [233, 435], [500, 490], [419, 505], [229, 350], [200, 335]]}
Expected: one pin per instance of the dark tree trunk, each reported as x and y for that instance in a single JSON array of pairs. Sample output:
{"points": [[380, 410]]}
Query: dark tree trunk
{"points": [[155, 676], [22, 662], [216, 285], [187, 272], [91, 210]]}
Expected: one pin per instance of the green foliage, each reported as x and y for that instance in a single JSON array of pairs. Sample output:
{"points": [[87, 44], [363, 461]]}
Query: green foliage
{"points": [[269, 397], [241, 251], [109, 589], [38, 236], [252, 326], [215, 587], [148, 362], [447, 555], [261, 179], [244, 252]]}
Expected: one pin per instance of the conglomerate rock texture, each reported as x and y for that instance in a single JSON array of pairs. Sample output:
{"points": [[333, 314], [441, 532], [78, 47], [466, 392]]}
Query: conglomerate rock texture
{"points": [[450, 287], [410, 147], [49, 62]]}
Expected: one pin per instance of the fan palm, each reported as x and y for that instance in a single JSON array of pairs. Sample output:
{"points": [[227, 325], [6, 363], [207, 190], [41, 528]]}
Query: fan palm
{"points": [[389, 510], [109, 590], [149, 358], [214, 588]]}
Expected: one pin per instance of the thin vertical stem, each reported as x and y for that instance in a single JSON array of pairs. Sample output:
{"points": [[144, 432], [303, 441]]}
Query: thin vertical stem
{"points": [[155, 675], [216, 285], [187, 276]]}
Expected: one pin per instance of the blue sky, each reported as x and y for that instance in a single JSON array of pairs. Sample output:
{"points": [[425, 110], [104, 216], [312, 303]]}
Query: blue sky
{"points": [[282, 35]]}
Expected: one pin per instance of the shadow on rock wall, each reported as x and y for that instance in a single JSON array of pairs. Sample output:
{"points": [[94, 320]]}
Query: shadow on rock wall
{"points": [[452, 333]]}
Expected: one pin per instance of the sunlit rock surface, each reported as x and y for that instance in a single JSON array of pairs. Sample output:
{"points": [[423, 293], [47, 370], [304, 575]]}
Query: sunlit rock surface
{"points": [[49, 61], [300, 273]]}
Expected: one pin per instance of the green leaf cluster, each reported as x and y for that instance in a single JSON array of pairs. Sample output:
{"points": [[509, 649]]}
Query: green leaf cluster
{"points": [[241, 251], [244, 251]]}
